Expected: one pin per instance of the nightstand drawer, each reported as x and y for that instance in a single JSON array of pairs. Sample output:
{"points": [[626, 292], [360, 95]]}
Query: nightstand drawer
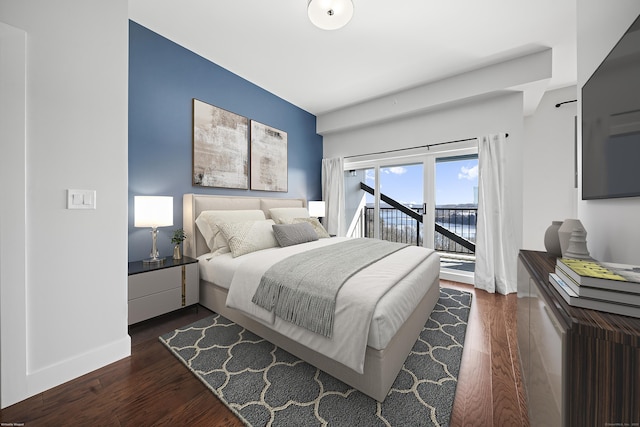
{"points": [[154, 305], [154, 282]]}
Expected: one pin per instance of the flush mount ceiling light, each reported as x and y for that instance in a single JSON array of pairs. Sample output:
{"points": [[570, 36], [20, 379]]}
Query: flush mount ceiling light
{"points": [[330, 14]]}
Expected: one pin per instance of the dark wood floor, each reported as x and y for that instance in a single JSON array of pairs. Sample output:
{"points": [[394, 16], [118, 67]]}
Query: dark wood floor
{"points": [[152, 388]]}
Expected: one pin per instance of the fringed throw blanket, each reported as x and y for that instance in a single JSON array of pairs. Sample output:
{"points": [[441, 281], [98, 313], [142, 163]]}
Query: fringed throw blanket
{"points": [[302, 288]]}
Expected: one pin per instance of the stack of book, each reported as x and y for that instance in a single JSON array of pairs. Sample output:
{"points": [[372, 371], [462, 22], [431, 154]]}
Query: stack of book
{"points": [[614, 288]]}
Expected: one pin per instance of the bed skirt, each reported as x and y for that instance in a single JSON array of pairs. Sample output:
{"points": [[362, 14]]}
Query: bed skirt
{"points": [[381, 367]]}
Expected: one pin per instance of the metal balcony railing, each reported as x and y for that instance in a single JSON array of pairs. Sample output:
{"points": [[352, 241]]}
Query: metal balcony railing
{"points": [[455, 227], [395, 225], [462, 223]]}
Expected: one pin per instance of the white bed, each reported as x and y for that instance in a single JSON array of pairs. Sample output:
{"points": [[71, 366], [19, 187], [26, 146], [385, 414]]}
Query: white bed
{"points": [[396, 323]]}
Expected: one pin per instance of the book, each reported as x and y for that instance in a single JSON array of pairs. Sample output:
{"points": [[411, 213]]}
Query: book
{"points": [[597, 293], [604, 275], [593, 304]]}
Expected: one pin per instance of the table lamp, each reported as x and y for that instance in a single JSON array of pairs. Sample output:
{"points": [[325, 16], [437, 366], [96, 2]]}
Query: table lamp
{"points": [[317, 209], [154, 212]]}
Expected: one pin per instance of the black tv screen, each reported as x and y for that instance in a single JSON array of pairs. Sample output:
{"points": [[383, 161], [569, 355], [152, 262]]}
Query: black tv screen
{"points": [[611, 123]]}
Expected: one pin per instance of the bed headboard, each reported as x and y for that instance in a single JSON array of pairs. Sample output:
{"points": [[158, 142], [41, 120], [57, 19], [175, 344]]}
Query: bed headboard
{"points": [[194, 204]]}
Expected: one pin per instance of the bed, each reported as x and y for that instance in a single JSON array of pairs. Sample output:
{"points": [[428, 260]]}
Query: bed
{"points": [[390, 337]]}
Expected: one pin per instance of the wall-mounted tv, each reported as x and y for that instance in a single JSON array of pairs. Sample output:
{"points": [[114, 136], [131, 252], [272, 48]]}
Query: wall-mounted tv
{"points": [[611, 123]]}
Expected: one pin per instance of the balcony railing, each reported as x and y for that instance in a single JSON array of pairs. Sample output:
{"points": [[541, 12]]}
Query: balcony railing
{"points": [[395, 226], [459, 221], [455, 227]]}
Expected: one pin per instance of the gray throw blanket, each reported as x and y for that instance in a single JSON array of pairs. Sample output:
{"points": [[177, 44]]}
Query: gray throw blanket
{"points": [[302, 288]]}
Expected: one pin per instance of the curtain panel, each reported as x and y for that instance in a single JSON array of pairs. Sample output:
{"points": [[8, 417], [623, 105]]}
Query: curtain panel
{"points": [[494, 239], [333, 195]]}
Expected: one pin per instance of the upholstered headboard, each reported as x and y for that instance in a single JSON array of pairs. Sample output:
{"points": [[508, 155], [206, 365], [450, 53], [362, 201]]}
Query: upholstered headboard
{"points": [[194, 204]]}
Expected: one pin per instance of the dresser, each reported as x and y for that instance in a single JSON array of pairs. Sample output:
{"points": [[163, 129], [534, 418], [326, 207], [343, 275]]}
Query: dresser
{"points": [[580, 367]]}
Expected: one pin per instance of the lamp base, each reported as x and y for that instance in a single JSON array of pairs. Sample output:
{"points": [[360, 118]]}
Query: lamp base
{"points": [[153, 261]]}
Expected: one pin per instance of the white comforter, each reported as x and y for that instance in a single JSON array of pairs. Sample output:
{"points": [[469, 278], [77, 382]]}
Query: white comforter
{"points": [[355, 302]]}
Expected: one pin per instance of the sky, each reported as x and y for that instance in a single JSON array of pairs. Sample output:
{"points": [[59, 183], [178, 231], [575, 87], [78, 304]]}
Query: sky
{"points": [[455, 182]]}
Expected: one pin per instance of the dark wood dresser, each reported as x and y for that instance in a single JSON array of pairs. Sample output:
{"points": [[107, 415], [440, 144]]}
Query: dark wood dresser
{"points": [[580, 367]]}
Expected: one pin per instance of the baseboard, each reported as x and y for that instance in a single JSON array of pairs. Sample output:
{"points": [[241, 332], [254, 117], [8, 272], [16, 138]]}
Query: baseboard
{"points": [[59, 373]]}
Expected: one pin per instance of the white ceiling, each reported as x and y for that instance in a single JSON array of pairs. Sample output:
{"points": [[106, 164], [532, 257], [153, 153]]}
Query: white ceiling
{"points": [[388, 45]]}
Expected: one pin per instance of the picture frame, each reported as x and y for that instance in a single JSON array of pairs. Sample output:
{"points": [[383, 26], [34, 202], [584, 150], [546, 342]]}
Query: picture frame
{"points": [[269, 158], [220, 147]]}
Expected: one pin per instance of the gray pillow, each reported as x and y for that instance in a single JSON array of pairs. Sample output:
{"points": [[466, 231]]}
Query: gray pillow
{"points": [[293, 234]]}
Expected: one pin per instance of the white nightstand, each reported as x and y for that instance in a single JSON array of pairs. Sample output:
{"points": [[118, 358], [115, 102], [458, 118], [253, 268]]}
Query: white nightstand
{"points": [[159, 289]]}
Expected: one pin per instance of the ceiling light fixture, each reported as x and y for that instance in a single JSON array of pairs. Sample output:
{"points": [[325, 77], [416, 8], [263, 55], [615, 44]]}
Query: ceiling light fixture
{"points": [[330, 14]]}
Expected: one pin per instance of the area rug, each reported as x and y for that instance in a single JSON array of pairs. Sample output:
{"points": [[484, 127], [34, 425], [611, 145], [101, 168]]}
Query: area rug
{"points": [[266, 386]]}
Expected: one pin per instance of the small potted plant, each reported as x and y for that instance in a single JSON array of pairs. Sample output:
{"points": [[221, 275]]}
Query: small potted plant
{"points": [[178, 237]]}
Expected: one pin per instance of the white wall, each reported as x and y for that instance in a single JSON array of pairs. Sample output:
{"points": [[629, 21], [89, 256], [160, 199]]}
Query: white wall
{"points": [[68, 291], [13, 334], [612, 225], [548, 166]]}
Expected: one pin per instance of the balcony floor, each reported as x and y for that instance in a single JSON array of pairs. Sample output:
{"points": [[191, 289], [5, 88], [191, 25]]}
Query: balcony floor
{"points": [[453, 262]]}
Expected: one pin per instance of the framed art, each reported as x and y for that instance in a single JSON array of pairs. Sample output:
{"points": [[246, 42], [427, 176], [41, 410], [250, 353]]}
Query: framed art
{"points": [[220, 147], [269, 168]]}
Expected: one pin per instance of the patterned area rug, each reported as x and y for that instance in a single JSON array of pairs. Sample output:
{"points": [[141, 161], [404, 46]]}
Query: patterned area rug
{"points": [[266, 386]]}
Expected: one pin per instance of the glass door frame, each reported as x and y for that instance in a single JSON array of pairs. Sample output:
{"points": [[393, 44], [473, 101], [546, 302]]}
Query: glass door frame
{"points": [[450, 273], [381, 163], [425, 155]]}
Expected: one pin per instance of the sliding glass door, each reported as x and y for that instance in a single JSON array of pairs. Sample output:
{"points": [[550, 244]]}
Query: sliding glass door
{"points": [[386, 201], [455, 213], [401, 206]]}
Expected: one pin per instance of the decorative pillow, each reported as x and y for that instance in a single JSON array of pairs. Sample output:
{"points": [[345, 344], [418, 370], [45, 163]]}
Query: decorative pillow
{"points": [[249, 236], [208, 224], [293, 234], [317, 227], [286, 215]]}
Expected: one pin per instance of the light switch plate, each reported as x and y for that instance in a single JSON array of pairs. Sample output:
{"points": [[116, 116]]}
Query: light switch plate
{"points": [[81, 199]]}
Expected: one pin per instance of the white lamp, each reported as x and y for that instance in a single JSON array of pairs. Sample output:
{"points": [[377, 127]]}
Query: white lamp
{"points": [[330, 14], [317, 209], [154, 212]]}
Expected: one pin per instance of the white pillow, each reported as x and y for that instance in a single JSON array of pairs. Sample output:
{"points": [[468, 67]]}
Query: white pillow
{"points": [[286, 215], [208, 222], [249, 236]]}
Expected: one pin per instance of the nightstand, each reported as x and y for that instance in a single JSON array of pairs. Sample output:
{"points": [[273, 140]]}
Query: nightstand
{"points": [[159, 289]]}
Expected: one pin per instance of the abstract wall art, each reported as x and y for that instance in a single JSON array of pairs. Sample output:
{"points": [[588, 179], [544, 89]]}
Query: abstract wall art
{"points": [[220, 147], [268, 158]]}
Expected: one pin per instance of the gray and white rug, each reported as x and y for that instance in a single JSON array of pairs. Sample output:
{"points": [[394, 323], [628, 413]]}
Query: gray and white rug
{"points": [[266, 386]]}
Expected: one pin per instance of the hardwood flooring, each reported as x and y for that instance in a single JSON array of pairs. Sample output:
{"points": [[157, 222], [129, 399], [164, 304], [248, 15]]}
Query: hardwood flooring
{"points": [[152, 388]]}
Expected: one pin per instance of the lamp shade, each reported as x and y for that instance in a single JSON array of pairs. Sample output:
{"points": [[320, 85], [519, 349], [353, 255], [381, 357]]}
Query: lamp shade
{"points": [[330, 14], [317, 209], [153, 211]]}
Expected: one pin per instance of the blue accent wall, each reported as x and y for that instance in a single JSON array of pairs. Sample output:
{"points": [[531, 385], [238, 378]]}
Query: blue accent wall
{"points": [[163, 79]]}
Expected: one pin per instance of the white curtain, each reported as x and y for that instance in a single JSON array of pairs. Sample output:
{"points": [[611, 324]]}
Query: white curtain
{"points": [[494, 236], [333, 195]]}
